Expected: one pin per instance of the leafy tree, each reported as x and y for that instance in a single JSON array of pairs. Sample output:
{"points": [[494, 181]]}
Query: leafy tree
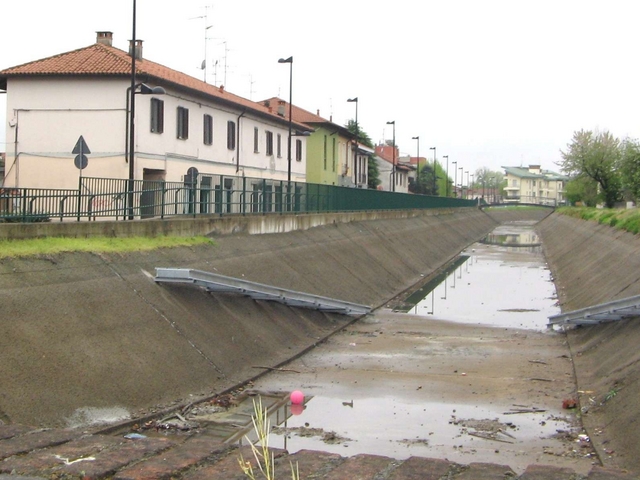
{"points": [[595, 156], [486, 179], [425, 185], [362, 136], [373, 173], [630, 169], [582, 189]]}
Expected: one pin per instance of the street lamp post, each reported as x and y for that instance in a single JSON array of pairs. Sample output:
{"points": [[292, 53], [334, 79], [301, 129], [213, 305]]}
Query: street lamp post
{"points": [[435, 170], [290, 62], [132, 114], [461, 183], [418, 164], [492, 188], [467, 172], [393, 168], [455, 179], [447, 186], [472, 175], [355, 150]]}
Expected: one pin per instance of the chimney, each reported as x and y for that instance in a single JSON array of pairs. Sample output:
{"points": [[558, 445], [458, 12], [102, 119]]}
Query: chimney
{"points": [[281, 108], [105, 38], [318, 112], [221, 88], [138, 49]]}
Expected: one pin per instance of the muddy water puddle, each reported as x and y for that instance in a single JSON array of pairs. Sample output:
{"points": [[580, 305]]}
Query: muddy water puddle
{"points": [[393, 427]]}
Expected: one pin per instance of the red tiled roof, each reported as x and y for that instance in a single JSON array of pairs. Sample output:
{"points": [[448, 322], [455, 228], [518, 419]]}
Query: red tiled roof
{"points": [[301, 115], [103, 60], [386, 153]]}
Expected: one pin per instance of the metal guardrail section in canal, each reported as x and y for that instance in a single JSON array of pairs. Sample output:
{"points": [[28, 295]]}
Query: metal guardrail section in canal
{"points": [[604, 312], [219, 283]]}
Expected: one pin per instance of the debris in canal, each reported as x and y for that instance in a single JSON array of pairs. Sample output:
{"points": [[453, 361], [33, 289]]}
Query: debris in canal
{"points": [[330, 437]]}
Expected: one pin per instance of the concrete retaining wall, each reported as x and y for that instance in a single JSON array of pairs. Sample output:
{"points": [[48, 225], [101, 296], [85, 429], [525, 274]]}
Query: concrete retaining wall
{"points": [[203, 224]]}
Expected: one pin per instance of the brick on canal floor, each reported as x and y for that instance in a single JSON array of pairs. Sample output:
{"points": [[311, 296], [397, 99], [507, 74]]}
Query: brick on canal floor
{"points": [[362, 467], [486, 471], [175, 460], [420, 468], [605, 473], [9, 431], [547, 472], [55, 457], [35, 439], [310, 464], [228, 467]]}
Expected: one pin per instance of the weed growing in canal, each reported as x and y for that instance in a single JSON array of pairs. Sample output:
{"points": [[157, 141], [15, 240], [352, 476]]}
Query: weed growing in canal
{"points": [[263, 457], [612, 393]]}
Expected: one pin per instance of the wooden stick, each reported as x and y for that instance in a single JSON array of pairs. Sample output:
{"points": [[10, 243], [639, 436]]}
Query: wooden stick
{"points": [[277, 369], [488, 438], [538, 361], [535, 410]]}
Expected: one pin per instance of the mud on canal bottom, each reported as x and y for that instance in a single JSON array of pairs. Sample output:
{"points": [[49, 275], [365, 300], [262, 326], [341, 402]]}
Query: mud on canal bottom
{"points": [[400, 385]]}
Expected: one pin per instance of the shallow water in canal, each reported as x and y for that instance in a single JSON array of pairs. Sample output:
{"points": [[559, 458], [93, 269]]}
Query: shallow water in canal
{"points": [[502, 281]]}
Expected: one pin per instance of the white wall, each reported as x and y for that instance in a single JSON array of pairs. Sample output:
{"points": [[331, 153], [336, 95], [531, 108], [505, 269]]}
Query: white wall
{"points": [[50, 114]]}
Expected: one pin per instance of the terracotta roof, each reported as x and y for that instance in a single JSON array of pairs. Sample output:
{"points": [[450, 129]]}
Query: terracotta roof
{"points": [[103, 60], [301, 115], [385, 152]]}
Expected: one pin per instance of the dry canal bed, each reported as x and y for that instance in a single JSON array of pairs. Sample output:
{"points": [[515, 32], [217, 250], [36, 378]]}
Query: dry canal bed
{"points": [[416, 384]]}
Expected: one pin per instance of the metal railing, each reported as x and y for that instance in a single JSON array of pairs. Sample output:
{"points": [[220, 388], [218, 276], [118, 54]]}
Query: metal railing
{"points": [[121, 199]]}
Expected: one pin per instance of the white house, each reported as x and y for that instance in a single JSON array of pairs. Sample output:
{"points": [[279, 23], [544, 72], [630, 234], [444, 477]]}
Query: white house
{"points": [[394, 176], [191, 127]]}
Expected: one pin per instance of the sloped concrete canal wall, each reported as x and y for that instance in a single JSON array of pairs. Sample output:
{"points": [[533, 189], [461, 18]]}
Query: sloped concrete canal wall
{"points": [[88, 330], [592, 264]]}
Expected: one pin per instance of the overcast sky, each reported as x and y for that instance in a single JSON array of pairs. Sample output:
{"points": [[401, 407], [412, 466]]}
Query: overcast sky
{"points": [[489, 83]]}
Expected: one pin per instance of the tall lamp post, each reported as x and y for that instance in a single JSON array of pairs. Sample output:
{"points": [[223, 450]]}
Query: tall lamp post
{"points": [[471, 185], [418, 164], [455, 179], [290, 62], [131, 113], [435, 170], [467, 172], [393, 168], [447, 186], [355, 150], [461, 183]]}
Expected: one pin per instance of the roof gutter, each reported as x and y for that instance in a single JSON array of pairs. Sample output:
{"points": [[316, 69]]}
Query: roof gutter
{"points": [[238, 142]]}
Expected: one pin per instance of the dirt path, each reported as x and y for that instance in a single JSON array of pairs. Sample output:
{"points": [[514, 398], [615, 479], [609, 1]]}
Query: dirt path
{"points": [[401, 385]]}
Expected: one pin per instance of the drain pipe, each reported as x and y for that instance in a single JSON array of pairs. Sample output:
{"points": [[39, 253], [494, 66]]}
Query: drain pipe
{"points": [[238, 142]]}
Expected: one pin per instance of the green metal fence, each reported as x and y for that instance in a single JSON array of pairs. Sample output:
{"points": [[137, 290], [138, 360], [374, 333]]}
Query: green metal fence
{"points": [[121, 199]]}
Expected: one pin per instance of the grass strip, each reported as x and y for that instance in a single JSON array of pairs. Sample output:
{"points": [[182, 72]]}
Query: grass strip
{"points": [[52, 245]]}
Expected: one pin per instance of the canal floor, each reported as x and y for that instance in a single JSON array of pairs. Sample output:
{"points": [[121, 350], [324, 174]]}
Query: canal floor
{"points": [[486, 387]]}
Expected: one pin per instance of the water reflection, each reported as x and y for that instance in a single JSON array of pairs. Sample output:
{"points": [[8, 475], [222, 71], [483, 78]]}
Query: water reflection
{"points": [[513, 236], [501, 285]]}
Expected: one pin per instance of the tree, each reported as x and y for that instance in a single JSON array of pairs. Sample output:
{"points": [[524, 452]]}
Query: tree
{"points": [[595, 156], [630, 169], [487, 180], [373, 173], [425, 185], [582, 189]]}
